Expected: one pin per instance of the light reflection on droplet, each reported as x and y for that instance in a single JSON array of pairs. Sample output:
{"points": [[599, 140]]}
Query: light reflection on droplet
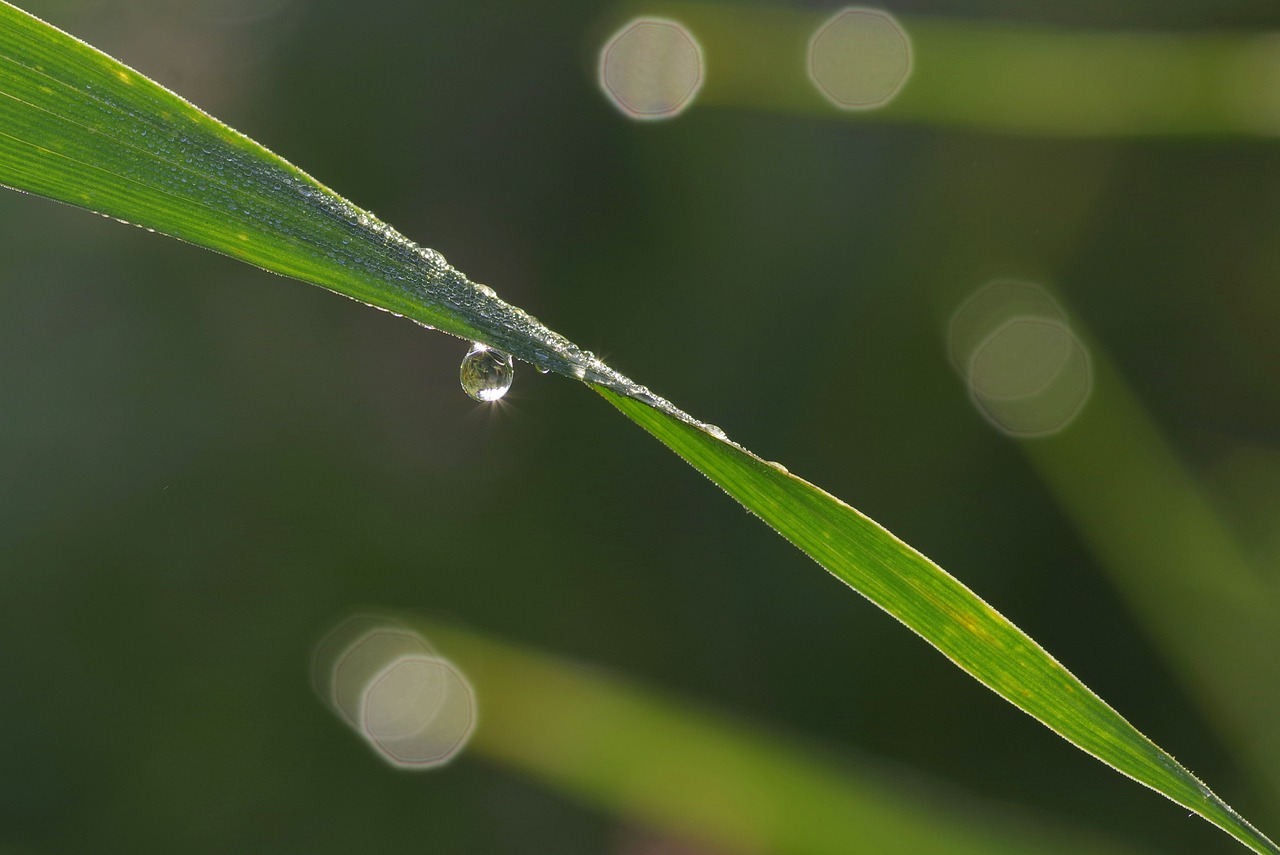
{"points": [[1027, 372], [860, 59], [651, 68], [486, 373], [385, 681]]}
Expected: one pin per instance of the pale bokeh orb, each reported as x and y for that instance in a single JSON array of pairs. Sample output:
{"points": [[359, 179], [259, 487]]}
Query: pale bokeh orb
{"points": [[382, 678], [418, 711], [859, 59], [651, 69], [1027, 372]]}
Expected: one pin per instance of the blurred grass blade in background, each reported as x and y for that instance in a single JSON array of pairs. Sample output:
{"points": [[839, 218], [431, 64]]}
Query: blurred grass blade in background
{"points": [[1194, 588], [1208, 605], [1009, 77], [662, 762], [79, 127]]}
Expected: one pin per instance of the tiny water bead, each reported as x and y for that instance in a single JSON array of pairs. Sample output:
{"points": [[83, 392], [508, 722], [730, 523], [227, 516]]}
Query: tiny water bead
{"points": [[486, 373]]}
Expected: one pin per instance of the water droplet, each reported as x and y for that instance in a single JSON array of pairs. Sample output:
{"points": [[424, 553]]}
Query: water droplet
{"points": [[541, 361], [642, 393], [486, 373], [716, 431], [486, 290]]}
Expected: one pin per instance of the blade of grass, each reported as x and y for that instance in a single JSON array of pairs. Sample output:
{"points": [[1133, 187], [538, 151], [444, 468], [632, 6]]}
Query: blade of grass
{"points": [[940, 610], [79, 127], [705, 776]]}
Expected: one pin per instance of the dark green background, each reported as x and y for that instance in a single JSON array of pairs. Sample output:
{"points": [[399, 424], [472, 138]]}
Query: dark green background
{"points": [[203, 465]]}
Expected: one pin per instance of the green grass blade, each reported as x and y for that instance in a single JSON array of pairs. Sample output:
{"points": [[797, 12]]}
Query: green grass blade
{"points": [[940, 610], [709, 777], [79, 127]]}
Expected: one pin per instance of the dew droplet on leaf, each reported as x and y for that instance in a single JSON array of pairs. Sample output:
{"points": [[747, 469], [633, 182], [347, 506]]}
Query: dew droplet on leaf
{"points": [[486, 373]]}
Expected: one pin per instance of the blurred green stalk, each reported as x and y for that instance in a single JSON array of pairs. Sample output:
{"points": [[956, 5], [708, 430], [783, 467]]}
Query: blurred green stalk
{"points": [[659, 762], [1182, 571], [1003, 77]]}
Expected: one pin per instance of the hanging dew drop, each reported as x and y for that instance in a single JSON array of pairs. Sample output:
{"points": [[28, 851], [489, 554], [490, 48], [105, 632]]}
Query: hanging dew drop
{"points": [[486, 373]]}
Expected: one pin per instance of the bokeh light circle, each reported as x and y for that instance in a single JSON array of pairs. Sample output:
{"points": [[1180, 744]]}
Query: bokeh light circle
{"points": [[418, 711], [859, 59], [1026, 370], [381, 677], [651, 68]]}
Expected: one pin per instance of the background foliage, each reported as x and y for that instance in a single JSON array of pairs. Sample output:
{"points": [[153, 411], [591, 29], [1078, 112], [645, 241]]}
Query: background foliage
{"points": [[202, 465]]}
